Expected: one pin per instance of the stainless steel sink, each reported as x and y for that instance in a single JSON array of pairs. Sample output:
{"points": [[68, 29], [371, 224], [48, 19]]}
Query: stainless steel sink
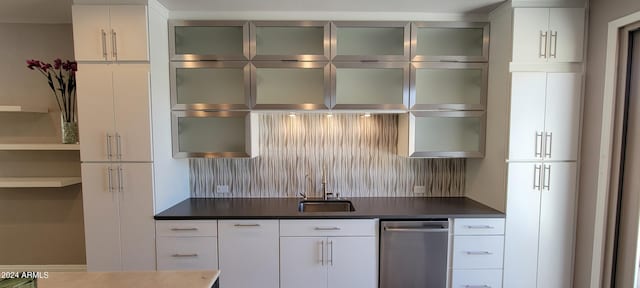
{"points": [[325, 206]]}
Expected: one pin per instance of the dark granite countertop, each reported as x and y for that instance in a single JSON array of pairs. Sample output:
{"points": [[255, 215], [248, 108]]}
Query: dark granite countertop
{"points": [[366, 207]]}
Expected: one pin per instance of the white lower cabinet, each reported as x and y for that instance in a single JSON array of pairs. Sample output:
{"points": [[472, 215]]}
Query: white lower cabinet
{"points": [[248, 253], [187, 245], [328, 253], [477, 253]]}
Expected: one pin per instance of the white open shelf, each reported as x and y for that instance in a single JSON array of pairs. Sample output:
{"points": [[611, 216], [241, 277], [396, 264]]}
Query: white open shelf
{"points": [[23, 108], [38, 182], [45, 147]]}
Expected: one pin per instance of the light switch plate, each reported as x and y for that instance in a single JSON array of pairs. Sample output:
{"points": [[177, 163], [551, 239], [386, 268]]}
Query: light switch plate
{"points": [[222, 189], [419, 190]]}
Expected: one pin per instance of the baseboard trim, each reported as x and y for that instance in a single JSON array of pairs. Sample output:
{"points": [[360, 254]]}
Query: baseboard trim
{"points": [[44, 268]]}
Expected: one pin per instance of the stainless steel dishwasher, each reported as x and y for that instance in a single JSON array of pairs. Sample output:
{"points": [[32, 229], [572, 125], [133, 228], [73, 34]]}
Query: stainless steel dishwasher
{"points": [[414, 254]]}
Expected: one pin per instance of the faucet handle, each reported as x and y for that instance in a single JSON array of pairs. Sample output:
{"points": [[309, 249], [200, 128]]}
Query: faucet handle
{"points": [[303, 195]]}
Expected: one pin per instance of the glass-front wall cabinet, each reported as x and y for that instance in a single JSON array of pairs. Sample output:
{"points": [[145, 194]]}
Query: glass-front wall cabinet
{"points": [[208, 40], [210, 85], [372, 86], [291, 85], [446, 86], [450, 41], [382, 41], [290, 40], [214, 134], [458, 134]]}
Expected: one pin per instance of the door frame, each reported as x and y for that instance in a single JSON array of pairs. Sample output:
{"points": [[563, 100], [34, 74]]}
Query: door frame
{"points": [[610, 148]]}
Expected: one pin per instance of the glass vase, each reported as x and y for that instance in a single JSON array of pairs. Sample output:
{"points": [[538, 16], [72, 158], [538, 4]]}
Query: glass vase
{"points": [[69, 132]]}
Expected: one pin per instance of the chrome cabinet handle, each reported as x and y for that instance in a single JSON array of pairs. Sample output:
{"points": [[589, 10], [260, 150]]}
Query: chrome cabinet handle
{"points": [[114, 44], [246, 225], [104, 43], [478, 253], [330, 252], [546, 183], [120, 180], [478, 226], [118, 146], [554, 44], [538, 147], [536, 177], [322, 253], [110, 174], [184, 229], [109, 150], [477, 286], [548, 141], [326, 228], [543, 54], [185, 255]]}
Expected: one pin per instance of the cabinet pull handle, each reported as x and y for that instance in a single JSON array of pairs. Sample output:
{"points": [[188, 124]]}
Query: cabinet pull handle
{"points": [[247, 225], [478, 226], [546, 184], [184, 229], [326, 228], [322, 253], [554, 44], [478, 253], [536, 177], [548, 141], [477, 286], [120, 180], [110, 175], [104, 43], [538, 147], [330, 252], [543, 54], [118, 146], [185, 255], [114, 44], [109, 150]]}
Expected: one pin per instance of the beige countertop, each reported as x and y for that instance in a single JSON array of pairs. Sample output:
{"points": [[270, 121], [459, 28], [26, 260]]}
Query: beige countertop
{"points": [[155, 279]]}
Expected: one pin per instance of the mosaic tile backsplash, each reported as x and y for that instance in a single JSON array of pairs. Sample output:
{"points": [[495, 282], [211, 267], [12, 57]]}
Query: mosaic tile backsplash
{"points": [[359, 155]]}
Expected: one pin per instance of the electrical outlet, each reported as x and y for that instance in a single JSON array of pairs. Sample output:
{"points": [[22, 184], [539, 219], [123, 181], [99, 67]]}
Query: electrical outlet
{"points": [[222, 189], [419, 190]]}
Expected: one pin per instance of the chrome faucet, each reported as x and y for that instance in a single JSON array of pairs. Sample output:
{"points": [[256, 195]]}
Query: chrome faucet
{"points": [[325, 195]]}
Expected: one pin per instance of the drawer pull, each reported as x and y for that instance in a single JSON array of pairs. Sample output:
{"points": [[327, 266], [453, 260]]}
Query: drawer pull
{"points": [[479, 227], [184, 255], [247, 225], [477, 286], [478, 253], [326, 228], [184, 229]]}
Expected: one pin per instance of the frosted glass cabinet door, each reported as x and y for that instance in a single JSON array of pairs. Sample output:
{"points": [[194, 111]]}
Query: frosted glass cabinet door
{"points": [[357, 85], [204, 85], [290, 40], [214, 134], [450, 41], [385, 41], [448, 86], [442, 134], [286, 85], [208, 40]]}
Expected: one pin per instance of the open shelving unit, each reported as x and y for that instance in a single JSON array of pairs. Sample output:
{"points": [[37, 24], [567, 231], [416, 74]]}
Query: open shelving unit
{"points": [[38, 182], [23, 108]]}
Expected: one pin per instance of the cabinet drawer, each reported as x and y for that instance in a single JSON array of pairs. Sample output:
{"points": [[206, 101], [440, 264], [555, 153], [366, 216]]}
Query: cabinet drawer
{"points": [[187, 228], [482, 226], [477, 252], [187, 253], [248, 228], [477, 278], [328, 227]]}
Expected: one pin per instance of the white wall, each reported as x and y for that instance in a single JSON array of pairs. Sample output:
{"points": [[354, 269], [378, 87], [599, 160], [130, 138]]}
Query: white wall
{"points": [[601, 12]]}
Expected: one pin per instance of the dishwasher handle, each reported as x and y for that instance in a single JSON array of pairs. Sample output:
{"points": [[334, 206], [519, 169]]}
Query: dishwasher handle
{"points": [[417, 229]]}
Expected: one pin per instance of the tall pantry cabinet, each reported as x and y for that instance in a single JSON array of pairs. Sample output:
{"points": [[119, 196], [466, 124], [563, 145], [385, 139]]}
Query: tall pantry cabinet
{"points": [[543, 147], [115, 136]]}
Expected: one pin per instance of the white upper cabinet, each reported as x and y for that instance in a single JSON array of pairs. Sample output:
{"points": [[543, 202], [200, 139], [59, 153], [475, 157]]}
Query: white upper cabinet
{"points": [[548, 35], [110, 33], [545, 116]]}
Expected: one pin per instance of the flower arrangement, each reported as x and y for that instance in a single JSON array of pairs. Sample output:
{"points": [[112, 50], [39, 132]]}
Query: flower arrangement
{"points": [[62, 81]]}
